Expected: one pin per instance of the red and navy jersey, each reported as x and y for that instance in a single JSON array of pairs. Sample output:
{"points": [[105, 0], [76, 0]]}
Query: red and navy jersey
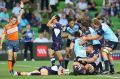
{"points": [[56, 35]]}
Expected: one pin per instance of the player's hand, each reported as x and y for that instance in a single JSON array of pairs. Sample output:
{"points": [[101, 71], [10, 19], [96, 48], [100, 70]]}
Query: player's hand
{"points": [[53, 17]]}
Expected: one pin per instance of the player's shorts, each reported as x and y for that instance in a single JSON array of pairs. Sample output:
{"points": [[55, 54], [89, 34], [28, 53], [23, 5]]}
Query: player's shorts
{"points": [[45, 67], [56, 46], [68, 43], [97, 47], [111, 44], [12, 45]]}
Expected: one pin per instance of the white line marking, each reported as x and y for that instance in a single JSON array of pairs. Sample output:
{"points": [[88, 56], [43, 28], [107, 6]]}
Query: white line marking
{"points": [[114, 77]]}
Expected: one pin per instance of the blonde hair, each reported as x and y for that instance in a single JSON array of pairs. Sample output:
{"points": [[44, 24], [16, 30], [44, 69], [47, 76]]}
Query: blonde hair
{"points": [[96, 21]]}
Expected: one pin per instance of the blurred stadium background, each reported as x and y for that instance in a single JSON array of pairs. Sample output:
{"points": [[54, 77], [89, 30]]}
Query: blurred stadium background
{"points": [[41, 52]]}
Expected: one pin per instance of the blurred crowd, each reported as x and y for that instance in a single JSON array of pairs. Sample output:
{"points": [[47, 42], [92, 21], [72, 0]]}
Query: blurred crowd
{"points": [[38, 12]]}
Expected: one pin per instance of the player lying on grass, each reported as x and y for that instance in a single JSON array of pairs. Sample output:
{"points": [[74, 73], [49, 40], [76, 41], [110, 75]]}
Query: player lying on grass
{"points": [[86, 65], [44, 70]]}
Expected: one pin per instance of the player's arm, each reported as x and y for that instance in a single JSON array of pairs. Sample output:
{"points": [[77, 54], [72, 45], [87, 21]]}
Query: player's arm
{"points": [[71, 45], [21, 11], [93, 38], [2, 39], [89, 60], [50, 22]]}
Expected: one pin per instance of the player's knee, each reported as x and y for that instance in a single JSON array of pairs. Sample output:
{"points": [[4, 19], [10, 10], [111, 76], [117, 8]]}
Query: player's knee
{"points": [[60, 58], [51, 53], [15, 55], [107, 50], [10, 55]]}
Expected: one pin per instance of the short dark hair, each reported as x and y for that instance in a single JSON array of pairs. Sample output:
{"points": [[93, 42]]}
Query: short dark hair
{"points": [[96, 14], [85, 23], [57, 17], [77, 34], [70, 19]]}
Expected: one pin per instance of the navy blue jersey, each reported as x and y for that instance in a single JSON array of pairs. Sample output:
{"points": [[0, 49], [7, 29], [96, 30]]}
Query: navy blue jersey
{"points": [[53, 70], [70, 30], [94, 53], [56, 35]]}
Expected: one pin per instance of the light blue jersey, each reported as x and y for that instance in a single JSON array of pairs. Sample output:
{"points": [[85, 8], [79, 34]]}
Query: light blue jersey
{"points": [[71, 31], [107, 33], [79, 49], [94, 33]]}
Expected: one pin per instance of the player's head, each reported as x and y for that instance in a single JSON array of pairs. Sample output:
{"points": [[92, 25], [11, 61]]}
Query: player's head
{"points": [[44, 71], [13, 20], [84, 25], [78, 68], [77, 34], [89, 48], [71, 22], [96, 23]]}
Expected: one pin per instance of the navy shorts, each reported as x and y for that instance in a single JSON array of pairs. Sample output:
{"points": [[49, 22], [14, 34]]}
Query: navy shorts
{"points": [[56, 46], [12, 45], [97, 47], [111, 44], [68, 43]]}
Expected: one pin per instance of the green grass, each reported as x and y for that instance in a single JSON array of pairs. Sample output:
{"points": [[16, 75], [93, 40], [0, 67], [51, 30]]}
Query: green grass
{"points": [[29, 66]]}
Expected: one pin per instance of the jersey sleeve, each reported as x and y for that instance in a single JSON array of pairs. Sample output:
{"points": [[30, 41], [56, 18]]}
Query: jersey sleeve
{"points": [[87, 32]]}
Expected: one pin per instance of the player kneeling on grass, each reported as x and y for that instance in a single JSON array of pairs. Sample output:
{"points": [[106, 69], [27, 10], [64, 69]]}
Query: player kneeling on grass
{"points": [[44, 70], [86, 65]]}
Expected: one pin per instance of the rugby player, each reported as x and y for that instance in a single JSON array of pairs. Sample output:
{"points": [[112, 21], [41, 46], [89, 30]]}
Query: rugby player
{"points": [[57, 40], [44, 70], [71, 28], [105, 31], [87, 65]]}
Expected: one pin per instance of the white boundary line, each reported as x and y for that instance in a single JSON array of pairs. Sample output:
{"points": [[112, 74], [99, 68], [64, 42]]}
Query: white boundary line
{"points": [[113, 77]]}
